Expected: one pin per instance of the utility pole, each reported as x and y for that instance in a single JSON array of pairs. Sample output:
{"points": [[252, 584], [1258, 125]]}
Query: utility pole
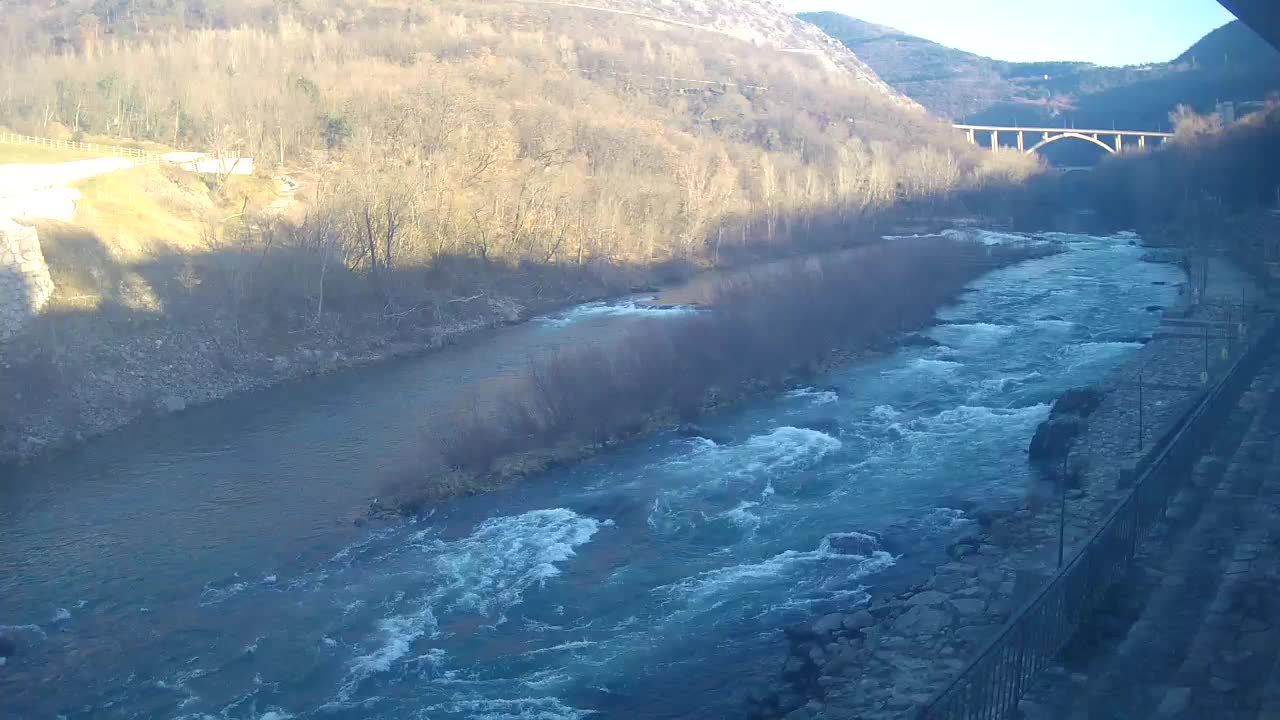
{"points": [[1140, 410], [1062, 508]]}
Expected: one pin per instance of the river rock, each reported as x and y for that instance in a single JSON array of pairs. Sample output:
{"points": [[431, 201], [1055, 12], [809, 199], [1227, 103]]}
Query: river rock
{"points": [[918, 340], [968, 607], [964, 547], [928, 598], [1054, 437], [858, 620], [828, 624], [694, 431], [1080, 402], [921, 620], [854, 543]]}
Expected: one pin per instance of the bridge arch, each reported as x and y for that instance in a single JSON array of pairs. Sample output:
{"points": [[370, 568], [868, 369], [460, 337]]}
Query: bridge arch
{"points": [[1076, 135]]}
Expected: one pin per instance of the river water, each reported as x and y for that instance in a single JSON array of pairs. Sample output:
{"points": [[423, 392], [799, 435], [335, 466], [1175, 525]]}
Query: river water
{"points": [[205, 565]]}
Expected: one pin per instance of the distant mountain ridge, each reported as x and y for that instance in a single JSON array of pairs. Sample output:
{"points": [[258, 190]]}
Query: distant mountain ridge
{"points": [[1229, 64]]}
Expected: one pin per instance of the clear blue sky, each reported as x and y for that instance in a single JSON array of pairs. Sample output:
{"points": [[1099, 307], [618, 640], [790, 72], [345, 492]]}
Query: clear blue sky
{"points": [[1107, 32]]}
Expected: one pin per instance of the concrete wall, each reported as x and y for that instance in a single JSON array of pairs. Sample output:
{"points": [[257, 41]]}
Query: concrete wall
{"points": [[25, 285]]}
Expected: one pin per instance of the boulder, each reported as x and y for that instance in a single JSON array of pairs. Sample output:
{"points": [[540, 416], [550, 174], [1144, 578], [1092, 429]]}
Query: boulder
{"points": [[921, 620], [964, 547], [969, 607], [928, 597], [918, 340], [859, 620], [1054, 438], [853, 543], [694, 431], [828, 624], [1080, 402]]}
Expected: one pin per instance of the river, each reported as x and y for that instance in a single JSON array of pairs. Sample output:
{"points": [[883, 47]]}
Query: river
{"points": [[205, 565]]}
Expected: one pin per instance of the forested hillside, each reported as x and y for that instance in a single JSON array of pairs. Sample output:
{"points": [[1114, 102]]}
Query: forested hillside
{"points": [[500, 128], [1229, 64], [461, 163]]}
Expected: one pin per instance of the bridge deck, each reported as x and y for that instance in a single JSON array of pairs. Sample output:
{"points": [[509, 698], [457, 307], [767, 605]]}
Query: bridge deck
{"points": [[1082, 131]]}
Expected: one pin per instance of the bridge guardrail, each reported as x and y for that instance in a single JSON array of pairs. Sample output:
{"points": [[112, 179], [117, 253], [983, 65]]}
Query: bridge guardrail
{"points": [[993, 683], [7, 138]]}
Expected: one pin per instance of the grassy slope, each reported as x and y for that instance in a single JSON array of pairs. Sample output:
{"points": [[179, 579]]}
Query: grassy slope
{"points": [[136, 215], [29, 154]]}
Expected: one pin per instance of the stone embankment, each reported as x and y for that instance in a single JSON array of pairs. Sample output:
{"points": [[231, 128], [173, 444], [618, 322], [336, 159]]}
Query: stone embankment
{"points": [[887, 659]]}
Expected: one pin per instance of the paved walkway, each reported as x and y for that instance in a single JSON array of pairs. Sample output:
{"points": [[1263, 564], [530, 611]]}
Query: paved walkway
{"points": [[39, 191]]}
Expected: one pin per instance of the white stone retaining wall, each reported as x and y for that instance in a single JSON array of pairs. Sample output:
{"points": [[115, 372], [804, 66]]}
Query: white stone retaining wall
{"points": [[25, 285]]}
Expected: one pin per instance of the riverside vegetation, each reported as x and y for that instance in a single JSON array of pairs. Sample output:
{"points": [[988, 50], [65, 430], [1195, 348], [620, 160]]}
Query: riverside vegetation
{"points": [[493, 160], [757, 333]]}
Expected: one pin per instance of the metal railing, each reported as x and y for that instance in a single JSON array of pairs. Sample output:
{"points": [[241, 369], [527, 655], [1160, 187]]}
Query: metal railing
{"points": [[991, 685], [7, 138]]}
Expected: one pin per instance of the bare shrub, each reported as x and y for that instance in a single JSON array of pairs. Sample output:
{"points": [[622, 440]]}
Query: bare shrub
{"points": [[759, 327]]}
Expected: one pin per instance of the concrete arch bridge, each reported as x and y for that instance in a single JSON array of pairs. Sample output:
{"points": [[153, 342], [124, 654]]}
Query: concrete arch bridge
{"points": [[1029, 140]]}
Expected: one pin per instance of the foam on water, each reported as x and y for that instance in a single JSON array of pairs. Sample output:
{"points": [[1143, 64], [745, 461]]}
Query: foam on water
{"points": [[783, 449], [740, 516], [597, 310], [986, 237], [713, 584], [30, 628], [885, 412], [486, 573], [813, 395], [1006, 383], [944, 519], [61, 614], [1084, 354], [969, 419], [543, 708], [967, 334], [212, 594], [929, 365]]}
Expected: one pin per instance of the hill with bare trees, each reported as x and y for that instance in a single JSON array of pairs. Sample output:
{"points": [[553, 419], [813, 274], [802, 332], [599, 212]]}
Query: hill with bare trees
{"points": [[461, 162]]}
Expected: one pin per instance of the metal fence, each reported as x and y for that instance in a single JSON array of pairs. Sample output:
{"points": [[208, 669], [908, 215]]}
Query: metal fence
{"points": [[91, 148], [991, 685]]}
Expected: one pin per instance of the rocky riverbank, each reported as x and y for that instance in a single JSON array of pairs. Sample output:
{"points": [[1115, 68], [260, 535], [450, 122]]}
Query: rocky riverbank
{"points": [[100, 377], [884, 660]]}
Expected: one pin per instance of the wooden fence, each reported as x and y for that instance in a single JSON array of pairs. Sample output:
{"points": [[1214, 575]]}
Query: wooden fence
{"points": [[91, 148]]}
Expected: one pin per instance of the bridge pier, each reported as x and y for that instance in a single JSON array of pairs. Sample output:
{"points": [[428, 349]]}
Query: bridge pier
{"points": [[1021, 144], [995, 140], [1119, 144], [1142, 141]]}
